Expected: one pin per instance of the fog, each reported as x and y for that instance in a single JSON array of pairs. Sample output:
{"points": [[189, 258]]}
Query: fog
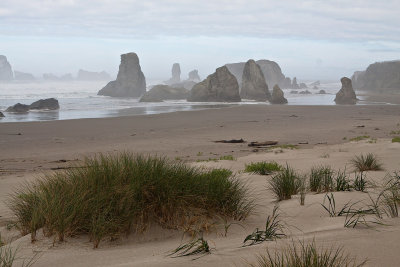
{"points": [[309, 39]]}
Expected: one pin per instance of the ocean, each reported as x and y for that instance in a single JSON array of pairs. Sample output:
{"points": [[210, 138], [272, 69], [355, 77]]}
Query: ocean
{"points": [[80, 100]]}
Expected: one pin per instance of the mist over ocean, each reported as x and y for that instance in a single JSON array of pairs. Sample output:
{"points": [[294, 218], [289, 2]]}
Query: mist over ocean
{"points": [[79, 99]]}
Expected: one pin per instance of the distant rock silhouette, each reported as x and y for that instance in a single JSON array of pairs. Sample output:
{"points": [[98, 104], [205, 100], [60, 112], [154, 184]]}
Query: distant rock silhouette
{"points": [[294, 84], [1, 115], [218, 87], [23, 76], [84, 75], [253, 83], [346, 95], [303, 86], [51, 77], [278, 96], [321, 92], [176, 74], [130, 81], [164, 92], [306, 92], [316, 83], [271, 70], [379, 77], [194, 76], [42, 104], [6, 73]]}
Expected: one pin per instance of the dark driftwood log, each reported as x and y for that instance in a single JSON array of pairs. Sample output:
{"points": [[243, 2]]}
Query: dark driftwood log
{"points": [[266, 143], [233, 141]]}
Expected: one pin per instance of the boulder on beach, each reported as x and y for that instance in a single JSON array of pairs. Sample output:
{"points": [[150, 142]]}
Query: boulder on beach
{"points": [[45, 104], [346, 95], [164, 92], [253, 83], [42, 104], [84, 75], [18, 108], [220, 86], [194, 76], [379, 77], [278, 96], [6, 73], [130, 81], [23, 76], [1, 115], [271, 70]]}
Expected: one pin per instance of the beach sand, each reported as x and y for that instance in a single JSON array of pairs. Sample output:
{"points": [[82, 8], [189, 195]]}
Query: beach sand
{"points": [[30, 149]]}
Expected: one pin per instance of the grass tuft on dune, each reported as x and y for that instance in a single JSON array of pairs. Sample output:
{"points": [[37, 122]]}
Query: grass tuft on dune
{"points": [[111, 195]]}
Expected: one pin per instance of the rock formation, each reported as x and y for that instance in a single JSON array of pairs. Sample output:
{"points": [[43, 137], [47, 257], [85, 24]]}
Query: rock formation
{"points": [[18, 108], [218, 87], [42, 104], [194, 76], [6, 73], [130, 81], [303, 86], [346, 95], [294, 84], [1, 115], [164, 92], [84, 75], [306, 92], [271, 70], [379, 77], [176, 74], [321, 92], [23, 76], [188, 85], [278, 96], [253, 83]]}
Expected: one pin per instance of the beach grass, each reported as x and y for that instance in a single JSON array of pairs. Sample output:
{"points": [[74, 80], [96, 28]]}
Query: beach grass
{"points": [[322, 179], [396, 139], [263, 167], [368, 162], [111, 195], [301, 254], [285, 183]]}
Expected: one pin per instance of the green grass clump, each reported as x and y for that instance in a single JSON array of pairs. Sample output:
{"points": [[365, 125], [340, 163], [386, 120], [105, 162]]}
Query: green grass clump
{"points": [[359, 138], [368, 162], [396, 139], [273, 230], [263, 167], [307, 255], [194, 247], [227, 157], [322, 179], [285, 183], [111, 195]]}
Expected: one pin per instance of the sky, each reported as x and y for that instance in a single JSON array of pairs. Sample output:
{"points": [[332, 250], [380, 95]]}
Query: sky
{"points": [[313, 39]]}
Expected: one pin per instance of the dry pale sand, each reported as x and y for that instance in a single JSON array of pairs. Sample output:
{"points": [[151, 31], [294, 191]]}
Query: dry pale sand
{"points": [[29, 149]]}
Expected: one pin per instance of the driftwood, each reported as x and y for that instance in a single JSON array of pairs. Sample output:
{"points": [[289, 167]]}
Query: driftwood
{"points": [[233, 141], [265, 143]]}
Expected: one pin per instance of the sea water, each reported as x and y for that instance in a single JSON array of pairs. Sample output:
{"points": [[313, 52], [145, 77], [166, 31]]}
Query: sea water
{"points": [[79, 100]]}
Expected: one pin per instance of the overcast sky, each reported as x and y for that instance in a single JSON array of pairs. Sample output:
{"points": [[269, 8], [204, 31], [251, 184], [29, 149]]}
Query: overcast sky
{"points": [[314, 39]]}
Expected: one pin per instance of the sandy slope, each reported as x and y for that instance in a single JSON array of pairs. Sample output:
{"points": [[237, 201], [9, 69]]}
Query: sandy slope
{"points": [[379, 244]]}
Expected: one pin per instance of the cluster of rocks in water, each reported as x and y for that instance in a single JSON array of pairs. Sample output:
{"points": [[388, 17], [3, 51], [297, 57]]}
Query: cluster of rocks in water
{"points": [[42, 104], [221, 86]]}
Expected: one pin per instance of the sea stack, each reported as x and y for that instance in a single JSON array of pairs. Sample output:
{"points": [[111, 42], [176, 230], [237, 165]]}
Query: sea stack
{"points": [[253, 83], [6, 73], [130, 81], [163, 92], [1, 115], [220, 86], [194, 76], [346, 95], [278, 96]]}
